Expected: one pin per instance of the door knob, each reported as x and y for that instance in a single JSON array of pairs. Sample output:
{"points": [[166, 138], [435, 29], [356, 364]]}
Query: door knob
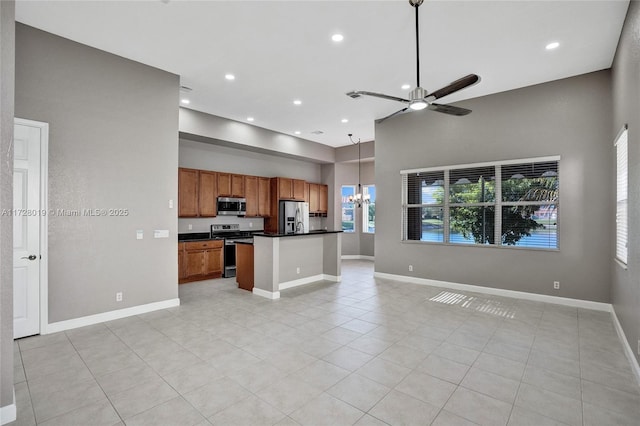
{"points": [[30, 257]]}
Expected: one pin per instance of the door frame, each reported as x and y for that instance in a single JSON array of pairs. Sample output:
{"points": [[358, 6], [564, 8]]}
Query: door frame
{"points": [[44, 218]]}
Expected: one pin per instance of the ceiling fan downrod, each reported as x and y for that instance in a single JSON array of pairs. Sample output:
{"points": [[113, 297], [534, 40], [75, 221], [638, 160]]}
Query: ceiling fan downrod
{"points": [[416, 4]]}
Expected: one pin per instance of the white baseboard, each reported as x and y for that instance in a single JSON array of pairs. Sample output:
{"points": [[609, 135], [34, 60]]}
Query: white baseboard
{"points": [[357, 257], [301, 281], [110, 316], [576, 303], [265, 293], [334, 278], [8, 413], [635, 367], [309, 280]]}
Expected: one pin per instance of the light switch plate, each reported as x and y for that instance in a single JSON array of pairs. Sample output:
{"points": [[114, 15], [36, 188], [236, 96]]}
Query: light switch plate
{"points": [[161, 233]]}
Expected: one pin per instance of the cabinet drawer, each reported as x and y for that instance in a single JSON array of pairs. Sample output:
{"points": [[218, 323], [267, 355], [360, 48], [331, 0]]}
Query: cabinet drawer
{"points": [[203, 245]]}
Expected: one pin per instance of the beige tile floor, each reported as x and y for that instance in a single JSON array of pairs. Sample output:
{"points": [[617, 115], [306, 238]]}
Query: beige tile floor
{"points": [[364, 351]]}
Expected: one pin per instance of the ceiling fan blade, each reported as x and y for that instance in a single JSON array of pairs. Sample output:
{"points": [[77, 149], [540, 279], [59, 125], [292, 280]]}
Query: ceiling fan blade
{"points": [[402, 111], [449, 109], [459, 84], [355, 94]]}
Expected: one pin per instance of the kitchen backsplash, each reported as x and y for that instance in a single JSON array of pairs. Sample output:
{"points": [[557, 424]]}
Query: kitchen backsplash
{"points": [[246, 224]]}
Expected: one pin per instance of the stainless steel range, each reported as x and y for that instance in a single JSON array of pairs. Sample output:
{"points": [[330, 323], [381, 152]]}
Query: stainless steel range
{"points": [[231, 233]]}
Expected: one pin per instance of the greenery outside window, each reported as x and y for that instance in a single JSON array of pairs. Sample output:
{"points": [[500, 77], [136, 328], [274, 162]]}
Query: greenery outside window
{"points": [[348, 208], [507, 203], [369, 209]]}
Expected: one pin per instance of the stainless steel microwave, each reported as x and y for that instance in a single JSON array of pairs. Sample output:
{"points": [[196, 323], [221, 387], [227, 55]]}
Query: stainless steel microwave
{"points": [[232, 206]]}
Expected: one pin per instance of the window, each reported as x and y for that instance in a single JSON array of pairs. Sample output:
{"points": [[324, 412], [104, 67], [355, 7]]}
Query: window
{"points": [[621, 195], [348, 209], [369, 209], [509, 203]]}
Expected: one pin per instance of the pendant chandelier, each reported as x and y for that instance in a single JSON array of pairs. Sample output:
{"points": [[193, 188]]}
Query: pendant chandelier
{"points": [[359, 199]]}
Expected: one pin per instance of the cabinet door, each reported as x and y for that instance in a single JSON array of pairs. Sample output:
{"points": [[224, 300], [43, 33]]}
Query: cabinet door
{"points": [[237, 186], [285, 186], [323, 199], [224, 184], [194, 263], [298, 189], [212, 261], [208, 193], [187, 193], [264, 197], [251, 194], [314, 206]]}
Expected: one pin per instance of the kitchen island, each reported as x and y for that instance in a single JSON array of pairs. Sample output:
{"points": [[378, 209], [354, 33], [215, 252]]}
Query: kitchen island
{"points": [[288, 260]]}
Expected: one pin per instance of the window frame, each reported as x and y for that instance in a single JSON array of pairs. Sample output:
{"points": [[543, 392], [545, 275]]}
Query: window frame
{"points": [[498, 203]]}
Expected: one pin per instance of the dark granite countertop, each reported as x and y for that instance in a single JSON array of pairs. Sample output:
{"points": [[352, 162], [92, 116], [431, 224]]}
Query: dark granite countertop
{"points": [[277, 235], [196, 236]]}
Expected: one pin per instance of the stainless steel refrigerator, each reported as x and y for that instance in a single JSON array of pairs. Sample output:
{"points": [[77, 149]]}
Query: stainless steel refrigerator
{"points": [[293, 217]]}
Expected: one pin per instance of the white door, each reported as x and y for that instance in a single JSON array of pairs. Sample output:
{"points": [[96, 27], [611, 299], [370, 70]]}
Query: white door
{"points": [[26, 229]]}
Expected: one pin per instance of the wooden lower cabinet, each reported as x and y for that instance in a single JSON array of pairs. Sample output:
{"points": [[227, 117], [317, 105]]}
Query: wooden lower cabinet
{"points": [[200, 260], [244, 266]]}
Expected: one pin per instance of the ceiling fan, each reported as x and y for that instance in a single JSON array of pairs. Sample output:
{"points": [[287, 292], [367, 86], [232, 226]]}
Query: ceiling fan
{"points": [[419, 98]]}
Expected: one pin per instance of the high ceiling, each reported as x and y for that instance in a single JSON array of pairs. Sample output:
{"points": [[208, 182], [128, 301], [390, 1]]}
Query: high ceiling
{"points": [[280, 51]]}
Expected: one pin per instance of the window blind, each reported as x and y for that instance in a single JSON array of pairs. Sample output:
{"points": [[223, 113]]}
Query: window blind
{"points": [[622, 182]]}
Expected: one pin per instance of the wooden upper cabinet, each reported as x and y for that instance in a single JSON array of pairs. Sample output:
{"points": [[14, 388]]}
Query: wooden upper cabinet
{"points": [[314, 205], [291, 189], [264, 197], [298, 189], [237, 186], [323, 199], [224, 184], [285, 186], [187, 192], [251, 194], [207, 194]]}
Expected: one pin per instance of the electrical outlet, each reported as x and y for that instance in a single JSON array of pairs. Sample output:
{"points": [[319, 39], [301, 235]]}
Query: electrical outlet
{"points": [[556, 285], [190, 227], [298, 270], [119, 296], [410, 268], [250, 224], [170, 204]]}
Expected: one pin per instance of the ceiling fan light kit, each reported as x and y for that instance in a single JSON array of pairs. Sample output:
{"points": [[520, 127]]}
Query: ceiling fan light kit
{"points": [[419, 98]]}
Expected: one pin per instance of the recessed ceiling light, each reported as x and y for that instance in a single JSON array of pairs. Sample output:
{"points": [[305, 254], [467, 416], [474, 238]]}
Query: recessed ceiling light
{"points": [[344, 120], [552, 46], [297, 132], [230, 76], [406, 87], [185, 101], [297, 102], [249, 118], [337, 38]]}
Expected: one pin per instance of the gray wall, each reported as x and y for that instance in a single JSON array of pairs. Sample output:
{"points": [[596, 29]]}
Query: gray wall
{"points": [[201, 126], [625, 291], [212, 156], [570, 118], [7, 68], [113, 143]]}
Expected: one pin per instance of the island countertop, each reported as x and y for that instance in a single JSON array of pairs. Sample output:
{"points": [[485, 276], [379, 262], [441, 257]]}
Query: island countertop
{"points": [[301, 234]]}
